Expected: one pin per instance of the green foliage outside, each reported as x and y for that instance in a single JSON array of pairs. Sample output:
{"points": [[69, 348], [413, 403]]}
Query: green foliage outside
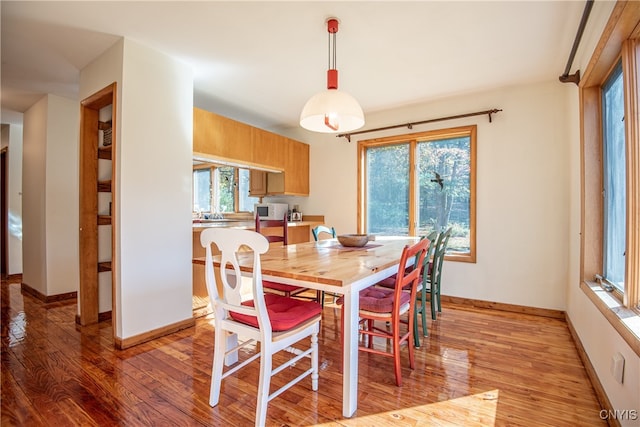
{"points": [[443, 193]]}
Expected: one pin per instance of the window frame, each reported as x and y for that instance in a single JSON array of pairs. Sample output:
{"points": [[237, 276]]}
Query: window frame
{"points": [[619, 40], [236, 191], [413, 139]]}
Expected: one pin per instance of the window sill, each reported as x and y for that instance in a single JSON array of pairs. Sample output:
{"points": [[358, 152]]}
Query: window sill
{"points": [[625, 321]]}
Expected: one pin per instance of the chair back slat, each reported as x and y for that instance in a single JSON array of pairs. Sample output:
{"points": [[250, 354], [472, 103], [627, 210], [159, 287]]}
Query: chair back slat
{"points": [[410, 277], [317, 231], [274, 223], [438, 257], [230, 242]]}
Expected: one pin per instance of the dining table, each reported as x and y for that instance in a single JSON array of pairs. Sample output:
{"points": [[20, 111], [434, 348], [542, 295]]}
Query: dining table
{"points": [[326, 265]]}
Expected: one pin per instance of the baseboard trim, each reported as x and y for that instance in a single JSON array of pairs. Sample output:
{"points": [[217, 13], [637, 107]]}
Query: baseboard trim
{"points": [[14, 278], [122, 344], [605, 403], [25, 288], [101, 317], [544, 312]]}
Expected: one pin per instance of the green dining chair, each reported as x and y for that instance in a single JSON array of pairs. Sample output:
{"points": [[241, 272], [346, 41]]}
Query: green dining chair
{"points": [[421, 303], [432, 283], [323, 229]]}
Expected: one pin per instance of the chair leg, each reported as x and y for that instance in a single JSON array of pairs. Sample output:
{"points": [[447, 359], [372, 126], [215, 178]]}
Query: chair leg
{"points": [[433, 302], [423, 313], [396, 354], [263, 386], [314, 361], [216, 369], [416, 336], [411, 353]]}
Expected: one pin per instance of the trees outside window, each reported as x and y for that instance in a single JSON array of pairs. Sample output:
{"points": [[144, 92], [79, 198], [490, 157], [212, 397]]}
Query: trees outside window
{"points": [[223, 189], [414, 184]]}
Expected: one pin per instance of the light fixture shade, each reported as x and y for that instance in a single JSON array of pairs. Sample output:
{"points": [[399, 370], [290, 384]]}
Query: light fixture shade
{"points": [[332, 111]]}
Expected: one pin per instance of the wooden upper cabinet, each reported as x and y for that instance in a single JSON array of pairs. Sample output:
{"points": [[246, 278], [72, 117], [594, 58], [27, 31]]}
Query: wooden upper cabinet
{"points": [[221, 137], [225, 139], [257, 183], [296, 179], [269, 148]]}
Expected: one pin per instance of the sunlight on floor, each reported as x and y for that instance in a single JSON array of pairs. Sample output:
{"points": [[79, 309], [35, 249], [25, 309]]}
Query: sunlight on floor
{"points": [[475, 410]]}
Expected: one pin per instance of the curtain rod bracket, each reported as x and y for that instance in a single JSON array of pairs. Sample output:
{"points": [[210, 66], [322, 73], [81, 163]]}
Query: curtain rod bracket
{"points": [[571, 78]]}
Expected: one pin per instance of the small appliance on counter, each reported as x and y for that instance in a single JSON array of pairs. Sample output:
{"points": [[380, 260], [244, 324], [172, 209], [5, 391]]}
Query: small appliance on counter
{"points": [[275, 211]]}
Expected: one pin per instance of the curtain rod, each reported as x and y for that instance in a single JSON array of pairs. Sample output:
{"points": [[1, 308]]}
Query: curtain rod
{"points": [[575, 77], [412, 124]]}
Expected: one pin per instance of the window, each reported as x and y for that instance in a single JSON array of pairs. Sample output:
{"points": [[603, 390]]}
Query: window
{"points": [[221, 190], [614, 173], [610, 238], [202, 190], [413, 184]]}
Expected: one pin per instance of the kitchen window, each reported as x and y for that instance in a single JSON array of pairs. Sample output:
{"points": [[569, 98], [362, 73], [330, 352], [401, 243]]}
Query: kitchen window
{"points": [[413, 184], [221, 189]]}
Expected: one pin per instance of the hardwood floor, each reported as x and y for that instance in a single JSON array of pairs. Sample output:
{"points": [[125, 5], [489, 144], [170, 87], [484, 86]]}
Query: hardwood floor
{"points": [[478, 368]]}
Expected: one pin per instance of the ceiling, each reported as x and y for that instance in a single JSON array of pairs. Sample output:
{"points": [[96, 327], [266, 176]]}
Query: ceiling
{"points": [[260, 61]]}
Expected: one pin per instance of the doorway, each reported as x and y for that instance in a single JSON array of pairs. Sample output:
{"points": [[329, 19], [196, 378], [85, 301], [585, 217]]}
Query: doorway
{"points": [[97, 142]]}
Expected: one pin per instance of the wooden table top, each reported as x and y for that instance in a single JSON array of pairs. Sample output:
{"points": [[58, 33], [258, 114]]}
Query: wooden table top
{"points": [[327, 262]]}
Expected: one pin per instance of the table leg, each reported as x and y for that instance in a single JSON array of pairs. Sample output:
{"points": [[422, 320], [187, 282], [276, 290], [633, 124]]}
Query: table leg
{"points": [[350, 355], [231, 341]]}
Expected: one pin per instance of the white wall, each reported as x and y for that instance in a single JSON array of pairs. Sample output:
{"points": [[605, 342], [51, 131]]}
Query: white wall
{"points": [[34, 152], [50, 196], [61, 196], [522, 191], [12, 139], [152, 184]]}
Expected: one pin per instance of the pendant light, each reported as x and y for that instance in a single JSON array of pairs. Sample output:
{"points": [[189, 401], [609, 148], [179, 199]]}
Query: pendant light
{"points": [[332, 111]]}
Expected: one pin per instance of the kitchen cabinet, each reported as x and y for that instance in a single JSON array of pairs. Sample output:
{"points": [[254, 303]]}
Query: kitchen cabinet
{"points": [[296, 179], [227, 140], [293, 181], [222, 137], [257, 183], [270, 148]]}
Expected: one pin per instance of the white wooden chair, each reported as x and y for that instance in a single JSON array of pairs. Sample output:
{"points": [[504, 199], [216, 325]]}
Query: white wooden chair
{"points": [[275, 321]]}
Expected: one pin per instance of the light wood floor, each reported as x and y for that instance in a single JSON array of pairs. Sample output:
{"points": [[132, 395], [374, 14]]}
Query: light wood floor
{"points": [[478, 368]]}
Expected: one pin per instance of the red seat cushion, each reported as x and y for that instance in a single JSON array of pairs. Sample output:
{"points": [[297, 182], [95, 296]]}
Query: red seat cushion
{"points": [[284, 313], [389, 282], [380, 300], [279, 286]]}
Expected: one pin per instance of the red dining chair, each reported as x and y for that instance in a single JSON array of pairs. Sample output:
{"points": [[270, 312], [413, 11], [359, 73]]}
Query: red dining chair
{"points": [[389, 306], [274, 321], [275, 287], [423, 288]]}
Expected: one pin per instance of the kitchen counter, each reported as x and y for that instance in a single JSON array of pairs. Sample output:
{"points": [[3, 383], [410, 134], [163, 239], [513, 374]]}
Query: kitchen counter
{"points": [[249, 225]]}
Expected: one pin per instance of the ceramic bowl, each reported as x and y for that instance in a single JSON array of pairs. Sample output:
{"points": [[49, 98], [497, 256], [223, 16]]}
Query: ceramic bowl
{"points": [[353, 240]]}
